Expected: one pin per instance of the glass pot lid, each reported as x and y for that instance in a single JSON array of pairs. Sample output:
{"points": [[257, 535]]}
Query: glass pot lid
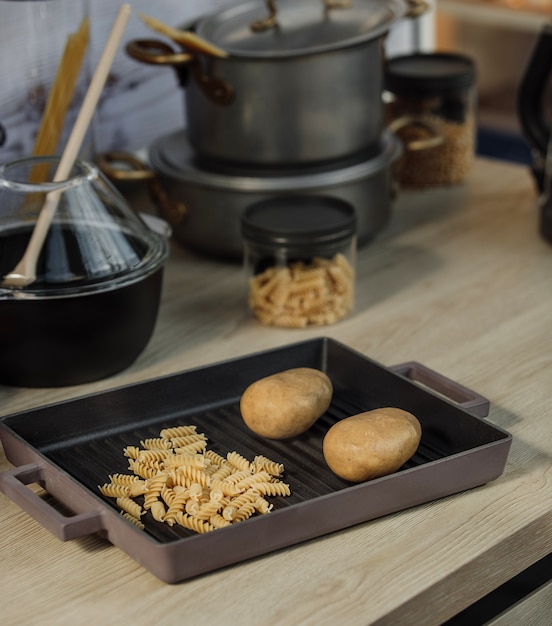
{"points": [[96, 242], [299, 27]]}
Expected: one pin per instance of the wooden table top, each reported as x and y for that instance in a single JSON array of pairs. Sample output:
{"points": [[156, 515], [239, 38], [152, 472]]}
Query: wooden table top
{"points": [[460, 281]]}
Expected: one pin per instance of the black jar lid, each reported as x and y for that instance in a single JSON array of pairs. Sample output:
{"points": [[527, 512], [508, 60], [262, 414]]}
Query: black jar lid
{"points": [[429, 74], [299, 220]]}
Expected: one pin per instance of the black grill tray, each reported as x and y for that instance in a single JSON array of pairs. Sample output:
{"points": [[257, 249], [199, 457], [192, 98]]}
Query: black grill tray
{"points": [[71, 448]]}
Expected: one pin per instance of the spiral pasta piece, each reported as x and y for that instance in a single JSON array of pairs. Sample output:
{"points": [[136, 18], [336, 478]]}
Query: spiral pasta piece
{"points": [[207, 510], [217, 521], [252, 479], [244, 512], [262, 463], [215, 458], [156, 443], [137, 488], [188, 460], [194, 474], [273, 489], [131, 452], [193, 523], [153, 456], [190, 448], [168, 494], [185, 440], [177, 505], [124, 479], [143, 470], [133, 520], [129, 506], [263, 506], [224, 470], [114, 491], [238, 461], [237, 476], [178, 431], [158, 511]]}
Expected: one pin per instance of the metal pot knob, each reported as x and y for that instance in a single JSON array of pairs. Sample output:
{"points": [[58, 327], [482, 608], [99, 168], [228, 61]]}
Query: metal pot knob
{"points": [[271, 20], [416, 8]]}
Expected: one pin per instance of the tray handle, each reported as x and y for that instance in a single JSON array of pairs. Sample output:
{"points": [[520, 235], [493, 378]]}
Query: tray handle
{"points": [[463, 396], [13, 483]]}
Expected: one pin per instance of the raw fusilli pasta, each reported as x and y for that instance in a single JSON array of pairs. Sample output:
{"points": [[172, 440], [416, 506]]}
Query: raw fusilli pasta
{"points": [[176, 480], [114, 491], [301, 294]]}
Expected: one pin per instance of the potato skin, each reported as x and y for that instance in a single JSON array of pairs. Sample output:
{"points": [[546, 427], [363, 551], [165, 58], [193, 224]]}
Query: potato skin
{"points": [[371, 444], [286, 404]]}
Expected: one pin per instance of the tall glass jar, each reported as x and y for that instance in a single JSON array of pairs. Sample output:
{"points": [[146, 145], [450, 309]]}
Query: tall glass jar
{"points": [[35, 35], [299, 256], [431, 106]]}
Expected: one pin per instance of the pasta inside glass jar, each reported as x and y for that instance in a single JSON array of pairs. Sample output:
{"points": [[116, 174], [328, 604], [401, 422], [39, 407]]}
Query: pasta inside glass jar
{"points": [[299, 258]]}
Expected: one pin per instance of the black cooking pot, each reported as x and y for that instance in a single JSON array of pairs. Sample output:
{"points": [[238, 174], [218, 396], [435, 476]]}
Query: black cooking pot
{"points": [[300, 86], [93, 306]]}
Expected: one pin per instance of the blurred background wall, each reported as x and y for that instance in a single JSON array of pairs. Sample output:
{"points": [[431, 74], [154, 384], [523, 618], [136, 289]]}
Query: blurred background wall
{"points": [[500, 36]]}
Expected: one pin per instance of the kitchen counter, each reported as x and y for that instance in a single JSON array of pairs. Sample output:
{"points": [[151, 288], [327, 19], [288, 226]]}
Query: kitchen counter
{"points": [[460, 281]]}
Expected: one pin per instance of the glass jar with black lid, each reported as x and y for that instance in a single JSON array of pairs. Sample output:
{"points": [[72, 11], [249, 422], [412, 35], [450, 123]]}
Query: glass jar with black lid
{"points": [[430, 103], [299, 257]]}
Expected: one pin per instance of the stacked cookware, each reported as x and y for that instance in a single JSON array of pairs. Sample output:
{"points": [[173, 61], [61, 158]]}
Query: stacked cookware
{"points": [[293, 105]]}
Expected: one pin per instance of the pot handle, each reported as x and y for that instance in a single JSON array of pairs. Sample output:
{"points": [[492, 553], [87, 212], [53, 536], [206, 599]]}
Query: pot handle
{"points": [[14, 485], [435, 140], [132, 169], [156, 52], [463, 396]]}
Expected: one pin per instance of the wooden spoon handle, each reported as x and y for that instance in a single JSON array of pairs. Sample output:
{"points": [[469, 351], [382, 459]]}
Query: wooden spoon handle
{"points": [[24, 272]]}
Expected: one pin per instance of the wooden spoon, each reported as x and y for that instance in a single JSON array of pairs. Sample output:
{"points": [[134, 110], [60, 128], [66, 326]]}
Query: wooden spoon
{"points": [[24, 273]]}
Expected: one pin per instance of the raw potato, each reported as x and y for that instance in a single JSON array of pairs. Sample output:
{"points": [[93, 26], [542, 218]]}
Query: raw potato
{"points": [[286, 404], [371, 444]]}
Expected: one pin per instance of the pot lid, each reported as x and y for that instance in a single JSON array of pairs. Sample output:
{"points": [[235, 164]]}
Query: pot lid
{"points": [[96, 241], [173, 157], [305, 27]]}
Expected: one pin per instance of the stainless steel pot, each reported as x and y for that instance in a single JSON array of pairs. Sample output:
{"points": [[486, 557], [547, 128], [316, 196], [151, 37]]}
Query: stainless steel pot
{"points": [[302, 86], [204, 206]]}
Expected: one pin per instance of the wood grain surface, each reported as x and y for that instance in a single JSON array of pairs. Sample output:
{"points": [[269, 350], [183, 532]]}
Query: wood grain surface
{"points": [[460, 281]]}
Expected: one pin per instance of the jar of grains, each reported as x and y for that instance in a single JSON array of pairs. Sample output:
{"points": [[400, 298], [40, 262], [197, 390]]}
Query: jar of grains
{"points": [[430, 103], [299, 257]]}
